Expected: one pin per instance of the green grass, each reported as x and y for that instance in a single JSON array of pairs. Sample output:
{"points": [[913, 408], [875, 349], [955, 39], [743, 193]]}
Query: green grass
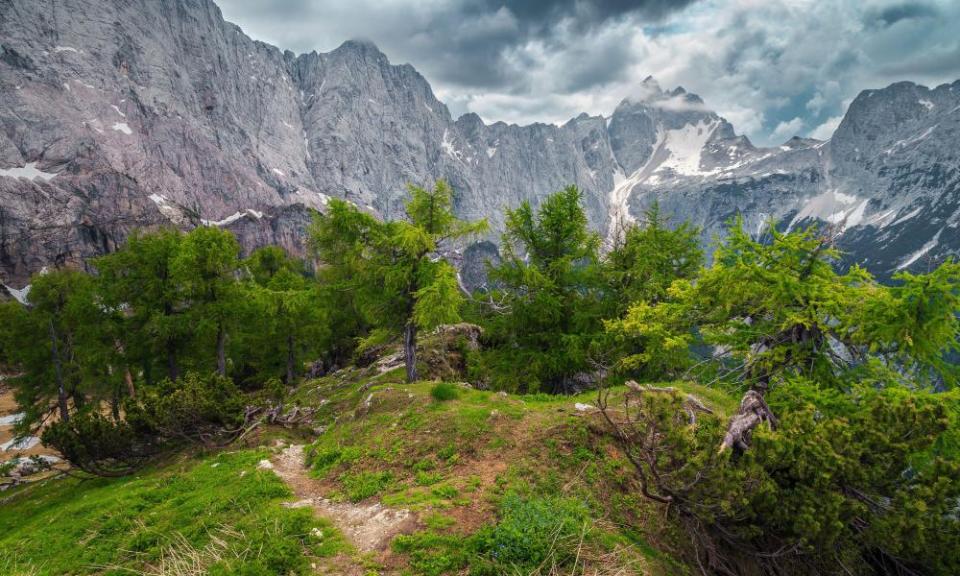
{"points": [[220, 512], [563, 484], [444, 392]]}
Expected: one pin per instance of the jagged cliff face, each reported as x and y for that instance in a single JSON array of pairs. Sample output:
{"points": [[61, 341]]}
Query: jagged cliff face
{"points": [[116, 114], [887, 185]]}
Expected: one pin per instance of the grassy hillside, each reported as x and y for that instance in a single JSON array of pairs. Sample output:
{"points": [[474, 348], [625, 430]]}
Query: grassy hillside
{"points": [[497, 484], [217, 514]]}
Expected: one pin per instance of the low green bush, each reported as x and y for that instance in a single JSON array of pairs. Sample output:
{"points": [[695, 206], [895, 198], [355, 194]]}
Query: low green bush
{"points": [[444, 392], [532, 532]]}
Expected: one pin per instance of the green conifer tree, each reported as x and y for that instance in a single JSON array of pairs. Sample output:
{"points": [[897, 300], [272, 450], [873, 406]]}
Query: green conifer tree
{"points": [[395, 270]]}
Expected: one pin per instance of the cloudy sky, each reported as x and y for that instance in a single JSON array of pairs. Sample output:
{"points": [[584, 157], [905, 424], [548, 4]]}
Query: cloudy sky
{"points": [[774, 68]]}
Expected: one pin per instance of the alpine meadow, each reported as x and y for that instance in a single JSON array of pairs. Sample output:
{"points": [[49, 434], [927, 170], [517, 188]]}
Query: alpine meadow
{"points": [[272, 314]]}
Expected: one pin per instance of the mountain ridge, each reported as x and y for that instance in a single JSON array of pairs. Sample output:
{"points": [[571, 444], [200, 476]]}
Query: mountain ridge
{"points": [[137, 114]]}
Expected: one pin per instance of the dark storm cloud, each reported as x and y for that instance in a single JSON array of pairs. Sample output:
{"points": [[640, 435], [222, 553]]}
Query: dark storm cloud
{"points": [[586, 12], [774, 68], [890, 15], [474, 44]]}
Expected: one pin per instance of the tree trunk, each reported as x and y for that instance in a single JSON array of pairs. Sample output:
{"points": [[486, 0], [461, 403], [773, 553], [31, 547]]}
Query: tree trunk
{"points": [[290, 360], [115, 405], [221, 350], [172, 370], [410, 350], [128, 378], [58, 371], [753, 411]]}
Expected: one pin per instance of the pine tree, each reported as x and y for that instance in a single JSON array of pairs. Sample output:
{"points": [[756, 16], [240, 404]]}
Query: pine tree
{"points": [[550, 284], [59, 343], [205, 268], [650, 257], [288, 310], [395, 270], [139, 277]]}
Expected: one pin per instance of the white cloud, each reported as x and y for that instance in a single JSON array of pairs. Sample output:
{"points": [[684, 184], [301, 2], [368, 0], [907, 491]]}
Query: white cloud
{"points": [[788, 129], [825, 131]]}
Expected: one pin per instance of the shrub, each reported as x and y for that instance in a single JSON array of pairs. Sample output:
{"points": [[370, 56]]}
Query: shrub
{"points": [[432, 554], [195, 407], [98, 445], [428, 478], [444, 391], [531, 532]]}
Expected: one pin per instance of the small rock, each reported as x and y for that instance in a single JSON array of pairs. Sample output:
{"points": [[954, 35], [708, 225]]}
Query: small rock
{"points": [[265, 465], [583, 407]]}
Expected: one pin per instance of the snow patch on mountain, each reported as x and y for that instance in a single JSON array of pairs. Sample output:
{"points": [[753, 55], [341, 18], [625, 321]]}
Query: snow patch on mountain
{"points": [[233, 218], [167, 208], [19, 295], [832, 206], [28, 171], [122, 127], [921, 252], [685, 147]]}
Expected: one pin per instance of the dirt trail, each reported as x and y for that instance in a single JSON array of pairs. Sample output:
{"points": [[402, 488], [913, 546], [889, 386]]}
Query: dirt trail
{"points": [[370, 527]]}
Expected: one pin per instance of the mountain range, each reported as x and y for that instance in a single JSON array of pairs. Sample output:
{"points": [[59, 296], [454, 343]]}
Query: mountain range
{"points": [[119, 114]]}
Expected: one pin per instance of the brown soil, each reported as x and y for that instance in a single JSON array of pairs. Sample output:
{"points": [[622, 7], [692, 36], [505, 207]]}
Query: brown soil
{"points": [[369, 526]]}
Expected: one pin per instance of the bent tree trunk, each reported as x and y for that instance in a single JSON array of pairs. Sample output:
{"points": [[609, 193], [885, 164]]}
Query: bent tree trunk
{"points": [[221, 350], [752, 412], [58, 372], [410, 350]]}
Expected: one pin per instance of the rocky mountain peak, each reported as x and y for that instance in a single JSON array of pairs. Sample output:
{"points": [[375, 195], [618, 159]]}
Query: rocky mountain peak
{"points": [[109, 122]]}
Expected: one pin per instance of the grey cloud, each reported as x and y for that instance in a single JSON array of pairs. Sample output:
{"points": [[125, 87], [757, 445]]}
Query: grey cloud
{"points": [[467, 43], [890, 15], [761, 64]]}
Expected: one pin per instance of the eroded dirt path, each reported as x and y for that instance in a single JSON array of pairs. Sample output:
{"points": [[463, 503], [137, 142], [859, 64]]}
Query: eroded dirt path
{"points": [[370, 527]]}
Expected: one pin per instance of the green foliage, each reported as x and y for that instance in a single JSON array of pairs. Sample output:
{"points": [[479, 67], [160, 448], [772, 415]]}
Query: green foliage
{"points": [[205, 268], [393, 271], [444, 391], [323, 459], [836, 474], [195, 407], [63, 345], [129, 525], [98, 445], [139, 276], [432, 553], [551, 281], [649, 258], [858, 459], [532, 532]]}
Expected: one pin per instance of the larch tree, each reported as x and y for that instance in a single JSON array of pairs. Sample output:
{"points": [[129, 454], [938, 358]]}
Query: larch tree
{"points": [[550, 284], [395, 270], [206, 269], [139, 277]]}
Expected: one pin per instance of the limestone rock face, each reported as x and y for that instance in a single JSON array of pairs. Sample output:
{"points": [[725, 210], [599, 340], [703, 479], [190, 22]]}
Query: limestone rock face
{"points": [[118, 114]]}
